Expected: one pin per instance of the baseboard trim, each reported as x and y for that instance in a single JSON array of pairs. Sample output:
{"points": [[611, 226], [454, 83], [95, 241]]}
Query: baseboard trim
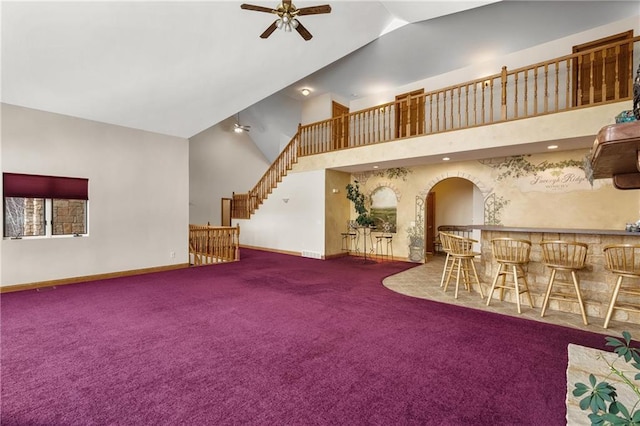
{"points": [[291, 253], [87, 278]]}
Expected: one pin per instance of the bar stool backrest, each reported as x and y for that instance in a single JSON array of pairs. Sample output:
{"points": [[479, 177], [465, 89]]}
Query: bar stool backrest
{"points": [[564, 254], [623, 259], [511, 250], [460, 245], [445, 241]]}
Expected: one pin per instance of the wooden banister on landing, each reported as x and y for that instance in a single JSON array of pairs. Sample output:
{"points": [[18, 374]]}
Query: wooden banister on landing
{"points": [[213, 244]]}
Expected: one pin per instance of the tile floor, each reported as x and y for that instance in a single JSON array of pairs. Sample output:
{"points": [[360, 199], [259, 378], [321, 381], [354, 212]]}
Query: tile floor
{"points": [[423, 281]]}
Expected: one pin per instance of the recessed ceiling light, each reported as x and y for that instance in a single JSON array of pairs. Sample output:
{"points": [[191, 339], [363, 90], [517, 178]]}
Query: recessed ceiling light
{"points": [[552, 147], [446, 159], [375, 167], [305, 92]]}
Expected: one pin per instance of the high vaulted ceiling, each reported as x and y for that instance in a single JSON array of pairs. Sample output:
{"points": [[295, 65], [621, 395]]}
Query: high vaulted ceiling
{"points": [[178, 68]]}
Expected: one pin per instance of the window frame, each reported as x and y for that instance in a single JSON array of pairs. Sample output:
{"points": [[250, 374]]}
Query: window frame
{"points": [[49, 189]]}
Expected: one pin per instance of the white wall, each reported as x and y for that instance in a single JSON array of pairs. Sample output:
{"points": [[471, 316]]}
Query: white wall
{"points": [[454, 202], [220, 162], [272, 132], [138, 195], [293, 226]]}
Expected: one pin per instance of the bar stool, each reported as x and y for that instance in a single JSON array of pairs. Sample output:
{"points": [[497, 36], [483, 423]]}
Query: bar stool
{"points": [[446, 247], [564, 256], [349, 238], [624, 261], [512, 256], [384, 242], [462, 255]]}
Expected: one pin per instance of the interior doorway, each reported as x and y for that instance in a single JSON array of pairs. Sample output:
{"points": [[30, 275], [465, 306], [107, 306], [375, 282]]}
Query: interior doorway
{"points": [[460, 203], [226, 212], [601, 70], [340, 128], [410, 114]]}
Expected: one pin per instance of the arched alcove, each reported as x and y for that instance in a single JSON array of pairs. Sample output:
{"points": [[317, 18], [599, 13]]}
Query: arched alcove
{"points": [[462, 201]]}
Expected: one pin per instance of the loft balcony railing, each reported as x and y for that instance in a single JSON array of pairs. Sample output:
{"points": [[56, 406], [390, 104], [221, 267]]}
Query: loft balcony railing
{"points": [[585, 79]]}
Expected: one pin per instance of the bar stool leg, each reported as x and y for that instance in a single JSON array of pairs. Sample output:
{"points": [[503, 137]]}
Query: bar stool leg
{"points": [[612, 304], [466, 274], [452, 267], [517, 286], [475, 274], [495, 282], [445, 270], [548, 293], [459, 262], [579, 295], [526, 286], [503, 284]]}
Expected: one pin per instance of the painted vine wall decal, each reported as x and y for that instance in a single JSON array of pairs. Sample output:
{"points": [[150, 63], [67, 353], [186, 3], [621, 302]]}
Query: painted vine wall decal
{"points": [[493, 206], [519, 166]]}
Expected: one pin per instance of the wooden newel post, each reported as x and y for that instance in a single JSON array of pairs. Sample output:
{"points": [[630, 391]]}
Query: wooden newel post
{"points": [[503, 101]]}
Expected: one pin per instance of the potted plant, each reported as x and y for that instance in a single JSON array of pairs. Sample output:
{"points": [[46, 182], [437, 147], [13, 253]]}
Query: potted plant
{"points": [[600, 397], [359, 204]]}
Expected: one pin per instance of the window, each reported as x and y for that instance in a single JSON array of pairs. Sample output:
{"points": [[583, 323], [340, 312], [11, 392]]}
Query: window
{"points": [[23, 217], [44, 205]]}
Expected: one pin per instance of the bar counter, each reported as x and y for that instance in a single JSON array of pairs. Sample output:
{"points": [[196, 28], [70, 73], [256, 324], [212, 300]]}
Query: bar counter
{"points": [[596, 282]]}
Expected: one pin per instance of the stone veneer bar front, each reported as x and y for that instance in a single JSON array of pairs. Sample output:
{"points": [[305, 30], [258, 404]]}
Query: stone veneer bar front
{"points": [[596, 283]]}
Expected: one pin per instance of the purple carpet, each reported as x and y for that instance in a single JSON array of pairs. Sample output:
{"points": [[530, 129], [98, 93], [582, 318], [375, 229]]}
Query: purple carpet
{"points": [[273, 340]]}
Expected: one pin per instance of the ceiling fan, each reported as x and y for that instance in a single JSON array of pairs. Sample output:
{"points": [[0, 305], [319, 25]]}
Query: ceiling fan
{"points": [[288, 17], [239, 128]]}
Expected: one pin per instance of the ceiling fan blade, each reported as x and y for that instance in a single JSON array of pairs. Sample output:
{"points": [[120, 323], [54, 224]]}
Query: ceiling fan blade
{"points": [[303, 31], [269, 30], [314, 10], [257, 8]]}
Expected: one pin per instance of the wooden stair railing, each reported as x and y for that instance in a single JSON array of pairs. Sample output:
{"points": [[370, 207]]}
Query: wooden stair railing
{"points": [[243, 205], [213, 244]]}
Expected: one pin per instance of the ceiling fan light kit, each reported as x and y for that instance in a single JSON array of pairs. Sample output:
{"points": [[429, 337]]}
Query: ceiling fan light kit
{"points": [[239, 128], [287, 17]]}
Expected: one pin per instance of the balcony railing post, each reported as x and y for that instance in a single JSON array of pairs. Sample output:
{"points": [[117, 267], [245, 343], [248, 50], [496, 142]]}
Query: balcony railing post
{"points": [[503, 101]]}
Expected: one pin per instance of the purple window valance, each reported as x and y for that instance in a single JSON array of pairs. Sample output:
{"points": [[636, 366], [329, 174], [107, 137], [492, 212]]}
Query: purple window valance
{"points": [[37, 186]]}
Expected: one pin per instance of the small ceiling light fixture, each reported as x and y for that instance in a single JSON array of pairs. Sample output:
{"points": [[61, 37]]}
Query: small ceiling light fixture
{"points": [[375, 167], [446, 159], [305, 92], [552, 147]]}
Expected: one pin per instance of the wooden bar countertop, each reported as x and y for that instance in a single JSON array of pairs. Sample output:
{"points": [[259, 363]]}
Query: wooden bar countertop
{"points": [[499, 228]]}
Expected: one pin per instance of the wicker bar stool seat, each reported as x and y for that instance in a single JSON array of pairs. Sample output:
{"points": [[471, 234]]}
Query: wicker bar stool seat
{"points": [[461, 254], [622, 260], [512, 256], [564, 256]]}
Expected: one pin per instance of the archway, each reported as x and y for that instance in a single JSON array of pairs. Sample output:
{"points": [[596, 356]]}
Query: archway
{"points": [[452, 200]]}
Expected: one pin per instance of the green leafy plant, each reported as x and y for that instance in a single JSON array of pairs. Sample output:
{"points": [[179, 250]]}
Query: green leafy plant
{"points": [[359, 204], [601, 397]]}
